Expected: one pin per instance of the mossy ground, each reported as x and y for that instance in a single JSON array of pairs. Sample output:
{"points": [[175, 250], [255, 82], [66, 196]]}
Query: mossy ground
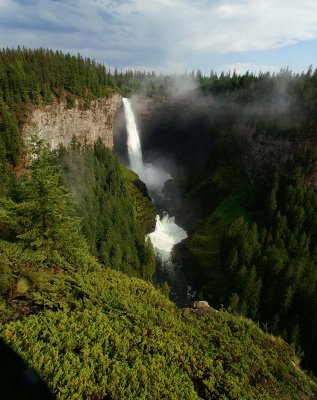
{"points": [[104, 335]]}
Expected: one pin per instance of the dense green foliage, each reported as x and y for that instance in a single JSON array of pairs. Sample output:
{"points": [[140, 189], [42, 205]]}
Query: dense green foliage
{"points": [[110, 221], [255, 253], [144, 209], [104, 335], [40, 216], [251, 210], [39, 228], [273, 272], [36, 75]]}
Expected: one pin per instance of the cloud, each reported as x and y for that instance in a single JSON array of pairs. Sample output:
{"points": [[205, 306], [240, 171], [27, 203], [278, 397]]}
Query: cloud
{"points": [[156, 33]]}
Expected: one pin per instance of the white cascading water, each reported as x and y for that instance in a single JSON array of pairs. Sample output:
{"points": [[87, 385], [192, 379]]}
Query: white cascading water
{"points": [[166, 233], [153, 176], [165, 236], [133, 142]]}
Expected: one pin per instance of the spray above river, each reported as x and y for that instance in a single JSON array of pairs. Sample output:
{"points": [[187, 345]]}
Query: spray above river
{"points": [[167, 233]]}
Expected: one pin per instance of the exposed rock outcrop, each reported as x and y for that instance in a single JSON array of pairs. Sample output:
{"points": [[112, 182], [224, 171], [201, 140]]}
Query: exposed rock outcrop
{"points": [[201, 304], [198, 309], [58, 124]]}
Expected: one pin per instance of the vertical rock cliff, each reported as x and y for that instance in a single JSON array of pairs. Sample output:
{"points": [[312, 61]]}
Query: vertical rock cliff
{"points": [[58, 124]]}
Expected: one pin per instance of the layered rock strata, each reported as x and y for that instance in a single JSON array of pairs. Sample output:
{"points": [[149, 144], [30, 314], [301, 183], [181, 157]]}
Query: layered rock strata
{"points": [[58, 124]]}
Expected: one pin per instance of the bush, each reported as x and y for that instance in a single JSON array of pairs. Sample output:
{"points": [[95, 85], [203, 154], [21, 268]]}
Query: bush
{"points": [[6, 278], [110, 336]]}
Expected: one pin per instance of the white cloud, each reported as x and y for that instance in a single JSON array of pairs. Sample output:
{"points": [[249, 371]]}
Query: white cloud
{"points": [[160, 30]]}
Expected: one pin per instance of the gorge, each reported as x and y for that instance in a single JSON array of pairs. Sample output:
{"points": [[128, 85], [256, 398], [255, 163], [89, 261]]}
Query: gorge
{"points": [[167, 233]]}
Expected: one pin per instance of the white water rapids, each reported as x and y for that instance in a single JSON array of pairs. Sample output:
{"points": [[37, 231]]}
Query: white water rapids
{"points": [[165, 236], [167, 233]]}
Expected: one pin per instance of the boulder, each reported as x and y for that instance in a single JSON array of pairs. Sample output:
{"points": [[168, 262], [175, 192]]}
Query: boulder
{"points": [[201, 305]]}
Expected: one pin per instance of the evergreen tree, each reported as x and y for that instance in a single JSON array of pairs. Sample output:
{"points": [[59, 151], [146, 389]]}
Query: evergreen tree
{"points": [[115, 235], [46, 220]]}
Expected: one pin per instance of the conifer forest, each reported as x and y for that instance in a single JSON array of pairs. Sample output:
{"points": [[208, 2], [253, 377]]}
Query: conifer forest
{"points": [[81, 302]]}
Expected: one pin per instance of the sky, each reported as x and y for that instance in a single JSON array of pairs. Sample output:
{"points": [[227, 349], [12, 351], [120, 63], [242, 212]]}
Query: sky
{"points": [[171, 36]]}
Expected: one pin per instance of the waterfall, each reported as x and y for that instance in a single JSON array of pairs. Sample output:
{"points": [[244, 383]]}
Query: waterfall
{"points": [[154, 176], [167, 233], [134, 144], [165, 236]]}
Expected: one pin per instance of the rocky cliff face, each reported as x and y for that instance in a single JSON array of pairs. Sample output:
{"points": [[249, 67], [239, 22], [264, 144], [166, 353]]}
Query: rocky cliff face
{"points": [[58, 124]]}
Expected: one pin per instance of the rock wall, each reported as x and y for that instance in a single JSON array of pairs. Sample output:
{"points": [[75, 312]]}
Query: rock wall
{"points": [[58, 124]]}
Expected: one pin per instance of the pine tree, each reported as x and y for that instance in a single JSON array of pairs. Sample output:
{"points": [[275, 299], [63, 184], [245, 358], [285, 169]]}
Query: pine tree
{"points": [[46, 220], [272, 202]]}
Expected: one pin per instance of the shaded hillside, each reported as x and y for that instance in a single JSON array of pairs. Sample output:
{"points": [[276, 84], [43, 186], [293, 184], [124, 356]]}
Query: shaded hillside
{"points": [[252, 246]]}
